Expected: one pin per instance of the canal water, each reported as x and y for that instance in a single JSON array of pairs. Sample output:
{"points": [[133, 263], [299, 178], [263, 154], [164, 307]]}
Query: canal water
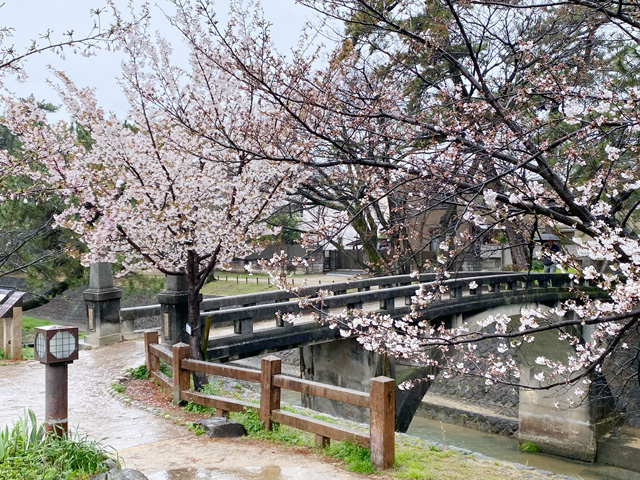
{"points": [[501, 448], [506, 449]]}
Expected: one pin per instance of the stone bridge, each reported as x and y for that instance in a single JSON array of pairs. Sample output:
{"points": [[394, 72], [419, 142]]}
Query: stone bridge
{"points": [[248, 325]]}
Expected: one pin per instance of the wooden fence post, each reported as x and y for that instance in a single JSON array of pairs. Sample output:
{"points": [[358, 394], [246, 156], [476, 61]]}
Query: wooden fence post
{"points": [[151, 361], [181, 377], [269, 395], [382, 422]]}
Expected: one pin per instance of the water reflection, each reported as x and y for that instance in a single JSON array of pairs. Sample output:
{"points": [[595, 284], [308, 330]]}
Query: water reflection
{"points": [[269, 472], [192, 474]]}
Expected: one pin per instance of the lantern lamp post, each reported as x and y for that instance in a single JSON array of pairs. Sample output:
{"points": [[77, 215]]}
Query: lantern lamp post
{"points": [[56, 346]]}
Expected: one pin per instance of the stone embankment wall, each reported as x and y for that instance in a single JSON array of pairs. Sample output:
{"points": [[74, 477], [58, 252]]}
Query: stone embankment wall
{"points": [[470, 402]]}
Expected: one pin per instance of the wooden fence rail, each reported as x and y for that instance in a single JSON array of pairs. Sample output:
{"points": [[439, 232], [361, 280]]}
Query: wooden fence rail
{"points": [[380, 400]]}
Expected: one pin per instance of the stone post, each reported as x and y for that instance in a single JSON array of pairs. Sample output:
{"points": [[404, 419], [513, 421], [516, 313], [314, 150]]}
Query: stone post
{"points": [[175, 310], [102, 301], [11, 328]]}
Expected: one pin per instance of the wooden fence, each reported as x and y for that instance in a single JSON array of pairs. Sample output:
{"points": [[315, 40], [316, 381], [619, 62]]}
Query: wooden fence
{"points": [[380, 400]]}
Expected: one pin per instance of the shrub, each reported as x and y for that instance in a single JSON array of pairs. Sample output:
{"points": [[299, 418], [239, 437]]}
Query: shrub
{"points": [[27, 453], [537, 266]]}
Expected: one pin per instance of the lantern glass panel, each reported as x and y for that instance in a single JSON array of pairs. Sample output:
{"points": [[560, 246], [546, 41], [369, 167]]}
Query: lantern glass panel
{"points": [[40, 345], [62, 345]]}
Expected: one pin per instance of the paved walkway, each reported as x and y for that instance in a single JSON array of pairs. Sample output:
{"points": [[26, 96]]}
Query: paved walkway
{"points": [[92, 410], [145, 441]]}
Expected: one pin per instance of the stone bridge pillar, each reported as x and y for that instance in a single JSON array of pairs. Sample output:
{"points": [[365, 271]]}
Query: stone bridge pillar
{"points": [[343, 363], [569, 431], [175, 309], [102, 302]]}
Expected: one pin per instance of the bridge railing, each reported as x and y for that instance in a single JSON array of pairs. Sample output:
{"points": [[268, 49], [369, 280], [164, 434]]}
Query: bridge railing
{"points": [[281, 296], [392, 299], [380, 400]]}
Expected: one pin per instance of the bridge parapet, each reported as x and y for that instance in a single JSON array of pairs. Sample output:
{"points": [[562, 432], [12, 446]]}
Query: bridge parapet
{"points": [[391, 295], [490, 291], [396, 299], [280, 296]]}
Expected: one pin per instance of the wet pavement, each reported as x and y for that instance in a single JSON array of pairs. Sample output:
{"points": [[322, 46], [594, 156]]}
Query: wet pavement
{"points": [[92, 410], [144, 441], [163, 450]]}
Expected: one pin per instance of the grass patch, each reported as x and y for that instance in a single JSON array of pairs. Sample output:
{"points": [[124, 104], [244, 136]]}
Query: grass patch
{"points": [[118, 388], [192, 407], [166, 369], [222, 288], [139, 373], [356, 458], [211, 388], [29, 323], [27, 354], [280, 434], [419, 460]]}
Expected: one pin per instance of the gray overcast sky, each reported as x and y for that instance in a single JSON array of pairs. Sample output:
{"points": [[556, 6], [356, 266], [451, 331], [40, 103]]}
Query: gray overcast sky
{"points": [[30, 18]]}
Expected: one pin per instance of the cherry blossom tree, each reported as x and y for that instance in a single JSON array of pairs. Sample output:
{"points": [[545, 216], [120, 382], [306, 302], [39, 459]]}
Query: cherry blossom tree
{"points": [[164, 190], [520, 118], [28, 242], [12, 57], [530, 119], [515, 117]]}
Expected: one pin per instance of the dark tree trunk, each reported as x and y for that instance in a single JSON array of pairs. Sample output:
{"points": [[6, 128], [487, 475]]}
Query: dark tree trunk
{"points": [[518, 246], [195, 337]]}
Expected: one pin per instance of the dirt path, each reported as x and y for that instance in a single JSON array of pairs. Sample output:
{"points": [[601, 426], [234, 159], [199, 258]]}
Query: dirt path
{"points": [[143, 440]]}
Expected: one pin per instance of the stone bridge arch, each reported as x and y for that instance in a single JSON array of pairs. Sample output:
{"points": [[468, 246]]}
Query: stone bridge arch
{"points": [[572, 432]]}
